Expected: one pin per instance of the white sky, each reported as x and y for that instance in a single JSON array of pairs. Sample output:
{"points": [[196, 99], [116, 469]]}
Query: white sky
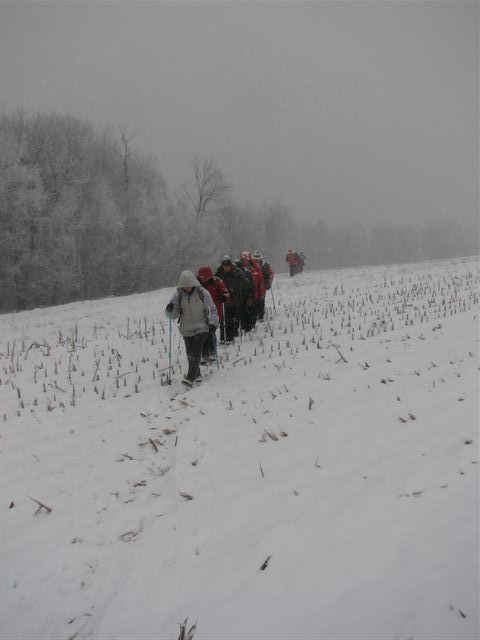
{"points": [[362, 111]]}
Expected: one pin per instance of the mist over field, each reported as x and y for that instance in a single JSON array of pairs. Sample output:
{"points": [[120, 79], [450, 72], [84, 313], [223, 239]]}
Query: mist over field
{"points": [[141, 138], [84, 215]]}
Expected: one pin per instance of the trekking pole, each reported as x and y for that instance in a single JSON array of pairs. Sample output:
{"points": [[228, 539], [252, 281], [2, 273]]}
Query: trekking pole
{"points": [[224, 330], [223, 320], [215, 350], [170, 351], [273, 299]]}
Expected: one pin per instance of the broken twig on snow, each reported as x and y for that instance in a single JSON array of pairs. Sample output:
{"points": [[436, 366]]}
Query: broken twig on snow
{"points": [[41, 506]]}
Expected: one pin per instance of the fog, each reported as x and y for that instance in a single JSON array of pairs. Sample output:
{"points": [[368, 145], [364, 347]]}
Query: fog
{"points": [[348, 111]]}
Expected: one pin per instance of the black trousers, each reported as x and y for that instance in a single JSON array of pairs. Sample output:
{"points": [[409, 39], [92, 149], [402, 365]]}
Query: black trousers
{"points": [[232, 321], [193, 347], [260, 308], [248, 316], [210, 345]]}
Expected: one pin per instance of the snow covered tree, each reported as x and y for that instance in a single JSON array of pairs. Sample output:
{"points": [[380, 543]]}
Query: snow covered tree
{"points": [[21, 199]]}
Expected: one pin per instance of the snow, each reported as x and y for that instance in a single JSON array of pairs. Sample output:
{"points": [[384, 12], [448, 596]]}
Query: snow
{"points": [[341, 455]]}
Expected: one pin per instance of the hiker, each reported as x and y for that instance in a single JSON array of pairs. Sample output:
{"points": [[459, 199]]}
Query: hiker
{"points": [[235, 282], [291, 260], [220, 295], [255, 270], [247, 307], [197, 316], [300, 258], [267, 282]]}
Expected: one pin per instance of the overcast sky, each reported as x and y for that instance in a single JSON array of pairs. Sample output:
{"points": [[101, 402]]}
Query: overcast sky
{"points": [[348, 111]]}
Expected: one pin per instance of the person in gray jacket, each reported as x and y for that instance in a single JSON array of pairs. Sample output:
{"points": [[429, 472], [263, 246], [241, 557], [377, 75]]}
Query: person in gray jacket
{"points": [[197, 316]]}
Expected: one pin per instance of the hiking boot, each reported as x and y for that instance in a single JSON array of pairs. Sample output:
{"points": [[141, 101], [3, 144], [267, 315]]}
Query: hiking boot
{"points": [[187, 382]]}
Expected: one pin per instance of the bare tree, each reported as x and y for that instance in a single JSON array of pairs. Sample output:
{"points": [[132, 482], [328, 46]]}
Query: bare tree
{"points": [[126, 153], [209, 190]]}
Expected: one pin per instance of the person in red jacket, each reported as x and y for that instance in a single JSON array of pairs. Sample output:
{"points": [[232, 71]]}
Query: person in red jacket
{"points": [[291, 260], [220, 294], [267, 282], [256, 271], [257, 274]]}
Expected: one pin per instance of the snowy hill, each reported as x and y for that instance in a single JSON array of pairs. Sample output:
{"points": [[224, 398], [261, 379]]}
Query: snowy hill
{"points": [[322, 483]]}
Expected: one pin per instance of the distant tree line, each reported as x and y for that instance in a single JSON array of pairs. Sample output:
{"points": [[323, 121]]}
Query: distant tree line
{"points": [[84, 215]]}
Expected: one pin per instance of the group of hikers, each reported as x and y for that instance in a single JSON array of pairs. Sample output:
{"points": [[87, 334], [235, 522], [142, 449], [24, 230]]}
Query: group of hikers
{"points": [[295, 261], [233, 299]]}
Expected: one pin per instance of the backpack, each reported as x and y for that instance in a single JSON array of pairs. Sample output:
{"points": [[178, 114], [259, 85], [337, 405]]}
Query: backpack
{"points": [[200, 293]]}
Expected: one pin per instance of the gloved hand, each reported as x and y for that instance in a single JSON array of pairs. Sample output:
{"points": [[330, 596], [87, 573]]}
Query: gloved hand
{"points": [[169, 307], [212, 328]]}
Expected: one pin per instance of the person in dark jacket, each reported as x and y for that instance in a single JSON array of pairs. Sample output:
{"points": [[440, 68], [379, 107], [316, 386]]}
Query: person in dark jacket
{"points": [[235, 282], [248, 312], [197, 316], [300, 258]]}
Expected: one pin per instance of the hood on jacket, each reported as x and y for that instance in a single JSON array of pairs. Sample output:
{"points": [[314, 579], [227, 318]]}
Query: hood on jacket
{"points": [[187, 279], [204, 274]]}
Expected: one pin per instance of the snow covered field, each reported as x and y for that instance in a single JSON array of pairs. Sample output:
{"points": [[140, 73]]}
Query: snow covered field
{"points": [[323, 483]]}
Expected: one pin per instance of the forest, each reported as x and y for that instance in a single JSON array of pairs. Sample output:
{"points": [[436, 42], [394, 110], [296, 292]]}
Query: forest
{"points": [[84, 215]]}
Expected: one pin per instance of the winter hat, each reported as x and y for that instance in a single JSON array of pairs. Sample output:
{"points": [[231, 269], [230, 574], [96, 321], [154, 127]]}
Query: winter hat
{"points": [[226, 260], [187, 279], [257, 255]]}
